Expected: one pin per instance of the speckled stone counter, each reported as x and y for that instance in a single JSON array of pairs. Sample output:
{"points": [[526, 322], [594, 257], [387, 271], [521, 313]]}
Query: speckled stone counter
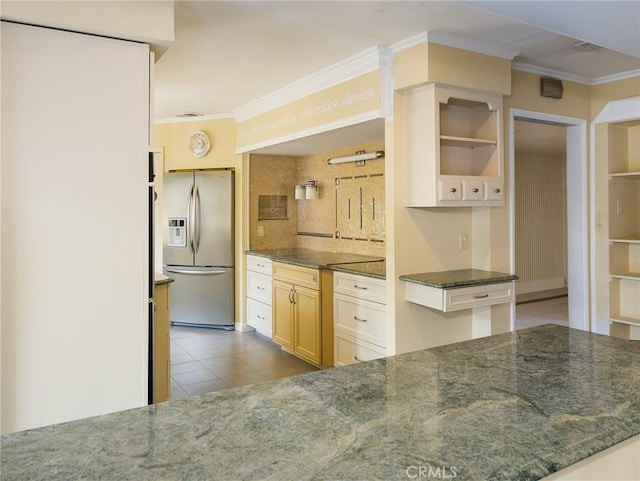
{"points": [[458, 278], [375, 269], [160, 279], [312, 258], [516, 406]]}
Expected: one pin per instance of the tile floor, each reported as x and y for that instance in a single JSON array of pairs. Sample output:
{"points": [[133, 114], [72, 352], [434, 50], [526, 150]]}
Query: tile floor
{"points": [[547, 311], [205, 360]]}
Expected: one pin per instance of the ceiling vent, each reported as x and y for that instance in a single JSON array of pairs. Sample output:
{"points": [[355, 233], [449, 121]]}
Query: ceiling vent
{"points": [[551, 87], [588, 46], [189, 114]]}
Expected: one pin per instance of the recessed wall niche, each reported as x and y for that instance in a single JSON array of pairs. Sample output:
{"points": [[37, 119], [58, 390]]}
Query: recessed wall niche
{"points": [[272, 207]]}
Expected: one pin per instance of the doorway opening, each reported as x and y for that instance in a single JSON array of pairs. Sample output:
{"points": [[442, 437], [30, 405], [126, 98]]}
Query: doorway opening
{"points": [[564, 226], [540, 224]]}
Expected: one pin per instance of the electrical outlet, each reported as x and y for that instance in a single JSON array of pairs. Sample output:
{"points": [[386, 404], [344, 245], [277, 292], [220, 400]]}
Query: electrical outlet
{"points": [[462, 241], [260, 231], [619, 207]]}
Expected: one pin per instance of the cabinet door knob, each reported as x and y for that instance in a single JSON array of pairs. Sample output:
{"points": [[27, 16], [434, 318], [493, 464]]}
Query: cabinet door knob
{"points": [[476, 190], [497, 191], [453, 189]]}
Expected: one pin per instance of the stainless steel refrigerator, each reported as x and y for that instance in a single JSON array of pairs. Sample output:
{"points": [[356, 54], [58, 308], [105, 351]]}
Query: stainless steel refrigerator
{"points": [[198, 247]]}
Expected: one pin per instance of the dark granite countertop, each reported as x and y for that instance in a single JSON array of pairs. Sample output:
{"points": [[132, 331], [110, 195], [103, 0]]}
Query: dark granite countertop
{"points": [[312, 258], [376, 269], [515, 406], [458, 278], [162, 279]]}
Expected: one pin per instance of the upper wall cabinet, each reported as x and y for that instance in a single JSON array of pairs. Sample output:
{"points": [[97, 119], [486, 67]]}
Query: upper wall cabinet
{"points": [[453, 146]]}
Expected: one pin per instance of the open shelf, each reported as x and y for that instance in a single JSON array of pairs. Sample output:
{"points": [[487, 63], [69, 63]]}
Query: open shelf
{"points": [[632, 321], [634, 276], [632, 175], [627, 240], [450, 141]]}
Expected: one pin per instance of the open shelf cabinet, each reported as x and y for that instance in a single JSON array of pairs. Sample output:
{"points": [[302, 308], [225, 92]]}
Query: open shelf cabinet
{"points": [[453, 145], [624, 228]]}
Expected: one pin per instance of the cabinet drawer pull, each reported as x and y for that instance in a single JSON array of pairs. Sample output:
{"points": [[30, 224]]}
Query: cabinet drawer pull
{"points": [[497, 191], [260, 288], [453, 189], [476, 190], [359, 320], [260, 265], [482, 296], [355, 286], [260, 317]]}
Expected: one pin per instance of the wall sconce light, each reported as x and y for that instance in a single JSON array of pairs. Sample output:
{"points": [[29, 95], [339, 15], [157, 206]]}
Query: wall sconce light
{"points": [[308, 190], [360, 156]]}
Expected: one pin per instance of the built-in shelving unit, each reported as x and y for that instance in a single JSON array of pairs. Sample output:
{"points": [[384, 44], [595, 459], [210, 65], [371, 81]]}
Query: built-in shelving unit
{"points": [[624, 228], [453, 147]]}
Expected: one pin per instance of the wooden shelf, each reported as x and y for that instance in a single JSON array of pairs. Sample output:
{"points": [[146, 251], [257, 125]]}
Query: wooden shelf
{"points": [[451, 141], [627, 240], [625, 174], [633, 276], [632, 321]]}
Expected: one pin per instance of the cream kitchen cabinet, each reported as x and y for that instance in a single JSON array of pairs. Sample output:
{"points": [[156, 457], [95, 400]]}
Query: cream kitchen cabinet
{"points": [[259, 294], [161, 341], [453, 145], [359, 318], [297, 310]]}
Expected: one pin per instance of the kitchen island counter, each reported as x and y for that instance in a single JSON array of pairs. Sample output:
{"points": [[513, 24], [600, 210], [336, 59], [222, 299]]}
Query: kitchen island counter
{"points": [[514, 406]]}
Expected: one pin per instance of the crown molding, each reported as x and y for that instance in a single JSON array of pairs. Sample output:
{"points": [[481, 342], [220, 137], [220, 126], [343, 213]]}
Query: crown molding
{"points": [[175, 120], [373, 58], [471, 44], [617, 76], [559, 74], [569, 77]]}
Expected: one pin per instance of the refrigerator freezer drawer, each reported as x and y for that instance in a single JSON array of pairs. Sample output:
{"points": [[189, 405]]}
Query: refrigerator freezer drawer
{"points": [[202, 296]]}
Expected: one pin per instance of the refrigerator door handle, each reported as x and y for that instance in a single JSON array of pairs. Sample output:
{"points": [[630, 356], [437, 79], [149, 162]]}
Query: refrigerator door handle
{"points": [[194, 273], [192, 221], [196, 205]]}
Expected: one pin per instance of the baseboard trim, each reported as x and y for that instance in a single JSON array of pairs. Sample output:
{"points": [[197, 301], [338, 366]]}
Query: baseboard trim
{"points": [[525, 287]]}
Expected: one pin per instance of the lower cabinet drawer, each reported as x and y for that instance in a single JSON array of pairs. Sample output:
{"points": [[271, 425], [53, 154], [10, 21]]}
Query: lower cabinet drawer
{"points": [[476, 296], [348, 351], [259, 316], [455, 299], [362, 319], [259, 287], [301, 276]]}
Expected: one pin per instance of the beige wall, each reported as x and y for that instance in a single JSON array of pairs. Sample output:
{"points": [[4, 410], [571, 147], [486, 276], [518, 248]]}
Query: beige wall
{"points": [[603, 93], [432, 62], [174, 137], [272, 175]]}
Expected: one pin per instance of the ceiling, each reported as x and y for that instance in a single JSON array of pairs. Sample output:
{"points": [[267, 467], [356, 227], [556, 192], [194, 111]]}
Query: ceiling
{"points": [[228, 54]]}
